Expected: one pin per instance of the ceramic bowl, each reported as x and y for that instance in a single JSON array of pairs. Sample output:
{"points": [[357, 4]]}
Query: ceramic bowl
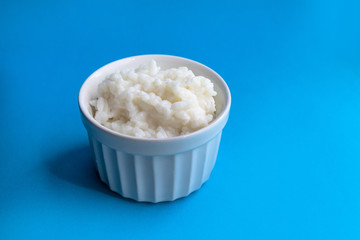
{"points": [[154, 170]]}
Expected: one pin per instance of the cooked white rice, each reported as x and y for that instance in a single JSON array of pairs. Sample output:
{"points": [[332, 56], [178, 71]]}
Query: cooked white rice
{"points": [[148, 102]]}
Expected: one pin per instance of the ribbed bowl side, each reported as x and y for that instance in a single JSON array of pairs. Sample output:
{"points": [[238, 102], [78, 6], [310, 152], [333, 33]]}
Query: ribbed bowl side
{"points": [[155, 178]]}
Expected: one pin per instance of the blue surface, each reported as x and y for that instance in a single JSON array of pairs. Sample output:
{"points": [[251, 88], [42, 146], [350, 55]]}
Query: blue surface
{"points": [[289, 161]]}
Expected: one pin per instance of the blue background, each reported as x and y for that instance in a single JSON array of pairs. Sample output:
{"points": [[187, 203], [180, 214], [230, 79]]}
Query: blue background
{"points": [[288, 164]]}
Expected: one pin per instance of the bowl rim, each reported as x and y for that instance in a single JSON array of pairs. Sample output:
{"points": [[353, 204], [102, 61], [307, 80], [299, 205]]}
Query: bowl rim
{"points": [[223, 114]]}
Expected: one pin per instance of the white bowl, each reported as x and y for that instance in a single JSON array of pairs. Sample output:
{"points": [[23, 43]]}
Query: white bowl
{"points": [[154, 170]]}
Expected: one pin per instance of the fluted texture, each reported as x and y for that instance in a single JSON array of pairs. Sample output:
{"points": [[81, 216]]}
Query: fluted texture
{"points": [[155, 178]]}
